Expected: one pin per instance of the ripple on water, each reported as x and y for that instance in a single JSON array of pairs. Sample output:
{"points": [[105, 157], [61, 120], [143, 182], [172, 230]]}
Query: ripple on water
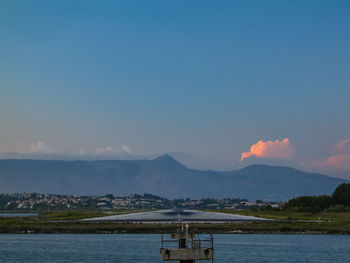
{"points": [[142, 248]]}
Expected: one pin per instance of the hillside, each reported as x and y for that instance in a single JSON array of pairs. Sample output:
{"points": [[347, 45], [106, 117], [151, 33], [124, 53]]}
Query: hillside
{"points": [[162, 176]]}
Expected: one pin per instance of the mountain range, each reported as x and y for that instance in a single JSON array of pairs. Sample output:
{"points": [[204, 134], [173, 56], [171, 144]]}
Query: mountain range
{"points": [[163, 176]]}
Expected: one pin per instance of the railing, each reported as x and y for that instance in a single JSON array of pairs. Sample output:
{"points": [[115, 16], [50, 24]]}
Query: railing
{"points": [[187, 246], [191, 240]]}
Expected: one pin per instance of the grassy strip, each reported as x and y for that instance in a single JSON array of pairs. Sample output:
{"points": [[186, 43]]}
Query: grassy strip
{"points": [[76, 215], [331, 223], [93, 228], [25, 226], [293, 215]]}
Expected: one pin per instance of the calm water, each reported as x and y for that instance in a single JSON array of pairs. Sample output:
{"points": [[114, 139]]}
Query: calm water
{"points": [[17, 214], [145, 248]]}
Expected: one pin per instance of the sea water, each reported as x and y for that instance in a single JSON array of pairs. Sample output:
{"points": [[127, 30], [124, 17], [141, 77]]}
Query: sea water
{"points": [[127, 248], [3, 214]]}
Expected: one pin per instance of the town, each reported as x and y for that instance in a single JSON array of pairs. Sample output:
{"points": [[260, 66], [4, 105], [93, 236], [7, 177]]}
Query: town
{"points": [[49, 202]]}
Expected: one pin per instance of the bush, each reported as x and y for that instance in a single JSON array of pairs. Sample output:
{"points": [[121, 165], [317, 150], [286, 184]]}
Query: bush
{"points": [[341, 195], [340, 201], [338, 208], [312, 204]]}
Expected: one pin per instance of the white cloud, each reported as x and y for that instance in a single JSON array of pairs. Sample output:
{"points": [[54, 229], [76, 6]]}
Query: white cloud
{"points": [[110, 150], [126, 148], [2, 150], [82, 151], [40, 147], [31, 148]]}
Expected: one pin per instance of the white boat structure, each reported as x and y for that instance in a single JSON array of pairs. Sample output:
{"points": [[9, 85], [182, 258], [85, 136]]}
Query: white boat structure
{"points": [[186, 247]]}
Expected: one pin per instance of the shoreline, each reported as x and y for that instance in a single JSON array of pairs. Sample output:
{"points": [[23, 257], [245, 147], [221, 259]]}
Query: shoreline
{"points": [[284, 222], [151, 228]]}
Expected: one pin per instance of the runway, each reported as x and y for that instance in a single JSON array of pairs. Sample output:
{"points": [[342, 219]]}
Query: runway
{"points": [[177, 215]]}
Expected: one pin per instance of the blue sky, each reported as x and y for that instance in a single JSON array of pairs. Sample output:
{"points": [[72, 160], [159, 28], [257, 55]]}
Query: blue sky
{"points": [[204, 80]]}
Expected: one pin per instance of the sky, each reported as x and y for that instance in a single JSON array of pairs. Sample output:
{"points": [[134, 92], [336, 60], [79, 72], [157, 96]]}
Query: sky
{"points": [[217, 84]]}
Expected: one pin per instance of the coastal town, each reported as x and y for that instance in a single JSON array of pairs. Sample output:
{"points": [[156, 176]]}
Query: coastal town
{"points": [[49, 202]]}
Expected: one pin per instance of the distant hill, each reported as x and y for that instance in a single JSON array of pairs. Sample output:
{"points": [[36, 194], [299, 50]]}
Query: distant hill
{"points": [[162, 176]]}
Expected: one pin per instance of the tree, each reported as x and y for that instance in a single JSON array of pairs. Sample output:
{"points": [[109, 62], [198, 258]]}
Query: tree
{"points": [[322, 202], [110, 196], [312, 204], [341, 195]]}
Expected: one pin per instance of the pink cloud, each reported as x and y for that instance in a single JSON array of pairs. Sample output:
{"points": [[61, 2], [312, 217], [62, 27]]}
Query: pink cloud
{"points": [[270, 149], [339, 162], [342, 144]]}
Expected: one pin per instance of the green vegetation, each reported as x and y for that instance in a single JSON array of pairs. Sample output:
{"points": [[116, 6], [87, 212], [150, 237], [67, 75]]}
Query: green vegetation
{"points": [[75, 215], [339, 201], [313, 204], [290, 215], [341, 195]]}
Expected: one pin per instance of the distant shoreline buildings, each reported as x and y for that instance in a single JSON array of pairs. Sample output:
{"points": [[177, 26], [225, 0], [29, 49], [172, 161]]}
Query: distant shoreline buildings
{"points": [[49, 202]]}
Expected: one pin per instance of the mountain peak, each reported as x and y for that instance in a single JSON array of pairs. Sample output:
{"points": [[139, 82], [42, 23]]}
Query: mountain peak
{"points": [[166, 158]]}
